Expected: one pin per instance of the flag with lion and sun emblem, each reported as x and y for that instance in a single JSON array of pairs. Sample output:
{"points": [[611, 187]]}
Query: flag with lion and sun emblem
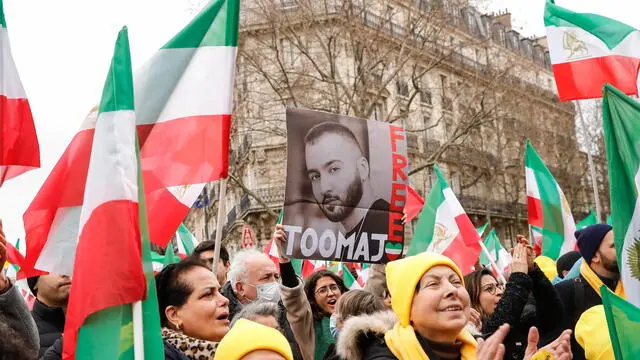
{"points": [[621, 120]]}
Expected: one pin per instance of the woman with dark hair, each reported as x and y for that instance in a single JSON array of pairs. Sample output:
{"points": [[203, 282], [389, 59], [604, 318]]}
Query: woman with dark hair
{"points": [[193, 313], [528, 299], [309, 306]]}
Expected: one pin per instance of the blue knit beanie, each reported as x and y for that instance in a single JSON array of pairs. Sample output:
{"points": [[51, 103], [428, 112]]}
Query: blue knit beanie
{"points": [[589, 239]]}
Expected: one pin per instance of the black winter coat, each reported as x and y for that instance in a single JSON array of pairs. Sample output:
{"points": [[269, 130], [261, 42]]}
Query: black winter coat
{"points": [[172, 353], [50, 323], [529, 300], [235, 306], [577, 296]]}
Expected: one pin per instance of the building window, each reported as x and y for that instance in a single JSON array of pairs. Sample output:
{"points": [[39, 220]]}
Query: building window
{"points": [[402, 87], [287, 52], [425, 96], [377, 113], [289, 3]]}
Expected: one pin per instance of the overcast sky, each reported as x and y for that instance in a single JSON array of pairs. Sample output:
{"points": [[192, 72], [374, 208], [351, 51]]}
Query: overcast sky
{"points": [[62, 51]]}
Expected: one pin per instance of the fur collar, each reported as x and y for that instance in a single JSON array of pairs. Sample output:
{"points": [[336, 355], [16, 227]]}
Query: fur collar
{"points": [[356, 331]]}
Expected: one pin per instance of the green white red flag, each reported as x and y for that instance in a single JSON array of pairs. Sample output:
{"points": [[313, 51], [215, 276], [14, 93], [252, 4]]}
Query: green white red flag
{"points": [[349, 281], [108, 275], [19, 149], [580, 43], [621, 120], [497, 252], [445, 228], [186, 242], [548, 208], [183, 99], [589, 220]]}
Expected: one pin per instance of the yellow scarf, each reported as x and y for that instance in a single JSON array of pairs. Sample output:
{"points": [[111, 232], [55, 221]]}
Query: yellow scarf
{"points": [[403, 343], [595, 282]]}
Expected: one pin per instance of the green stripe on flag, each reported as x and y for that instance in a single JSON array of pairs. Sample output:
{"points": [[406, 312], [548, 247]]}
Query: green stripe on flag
{"points": [[170, 256], [609, 31], [623, 321], [3, 22], [215, 25], [426, 222], [118, 88], [349, 281], [589, 220], [186, 238], [552, 218], [108, 334], [621, 120]]}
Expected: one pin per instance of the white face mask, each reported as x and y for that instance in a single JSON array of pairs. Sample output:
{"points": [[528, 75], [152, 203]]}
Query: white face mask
{"points": [[268, 292]]}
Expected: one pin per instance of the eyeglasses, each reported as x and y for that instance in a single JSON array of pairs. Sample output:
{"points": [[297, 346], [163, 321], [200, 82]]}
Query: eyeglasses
{"points": [[493, 288], [325, 290]]}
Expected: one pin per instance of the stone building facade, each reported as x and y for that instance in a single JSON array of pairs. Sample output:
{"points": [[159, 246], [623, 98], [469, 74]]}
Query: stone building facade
{"points": [[468, 89]]}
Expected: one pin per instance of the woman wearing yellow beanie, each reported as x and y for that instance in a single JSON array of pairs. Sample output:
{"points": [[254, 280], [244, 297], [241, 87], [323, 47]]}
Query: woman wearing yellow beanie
{"points": [[432, 305], [248, 340]]}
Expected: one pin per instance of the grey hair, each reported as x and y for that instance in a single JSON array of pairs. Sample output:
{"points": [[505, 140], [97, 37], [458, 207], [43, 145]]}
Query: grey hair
{"points": [[257, 309], [238, 268]]}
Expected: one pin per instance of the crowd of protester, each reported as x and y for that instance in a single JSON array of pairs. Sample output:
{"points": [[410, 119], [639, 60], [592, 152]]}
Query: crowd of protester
{"points": [[419, 307]]}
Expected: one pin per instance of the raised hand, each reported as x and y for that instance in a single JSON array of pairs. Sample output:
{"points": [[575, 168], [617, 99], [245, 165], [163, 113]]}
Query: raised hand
{"points": [[559, 349], [492, 348], [519, 263], [280, 238]]}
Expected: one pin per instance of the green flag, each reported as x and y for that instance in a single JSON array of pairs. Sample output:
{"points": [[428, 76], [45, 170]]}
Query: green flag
{"points": [[621, 120], [623, 320], [591, 219]]}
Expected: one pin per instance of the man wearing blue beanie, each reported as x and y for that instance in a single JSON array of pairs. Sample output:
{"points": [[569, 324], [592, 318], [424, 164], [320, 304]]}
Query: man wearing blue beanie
{"points": [[600, 266]]}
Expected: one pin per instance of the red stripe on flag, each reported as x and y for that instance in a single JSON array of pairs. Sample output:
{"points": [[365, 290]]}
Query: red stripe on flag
{"points": [[465, 249], [534, 209], [414, 204], [584, 79], [108, 266], [191, 150], [19, 149]]}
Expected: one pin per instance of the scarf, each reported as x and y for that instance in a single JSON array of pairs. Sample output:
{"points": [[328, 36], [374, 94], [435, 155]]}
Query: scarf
{"points": [[594, 281], [323, 338], [404, 344], [193, 348]]}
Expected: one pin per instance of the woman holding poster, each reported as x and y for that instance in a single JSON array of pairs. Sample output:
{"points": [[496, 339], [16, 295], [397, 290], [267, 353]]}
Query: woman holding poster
{"points": [[309, 304]]}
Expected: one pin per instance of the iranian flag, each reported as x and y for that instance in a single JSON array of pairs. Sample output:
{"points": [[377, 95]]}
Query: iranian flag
{"points": [[186, 242], [621, 120], [349, 281], [497, 252], [588, 51], [109, 275], [19, 149], [183, 98], [445, 228], [547, 207], [623, 322], [589, 220]]}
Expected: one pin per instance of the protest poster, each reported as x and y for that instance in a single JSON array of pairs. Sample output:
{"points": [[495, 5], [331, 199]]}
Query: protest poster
{"points": [[345, 188]]}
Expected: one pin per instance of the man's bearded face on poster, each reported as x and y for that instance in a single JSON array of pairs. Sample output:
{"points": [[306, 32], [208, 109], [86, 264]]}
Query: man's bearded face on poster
{"points": [[334, 164]]}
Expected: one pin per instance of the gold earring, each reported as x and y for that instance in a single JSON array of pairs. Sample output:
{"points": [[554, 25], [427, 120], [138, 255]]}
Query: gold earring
{"points": [[178, 327]]}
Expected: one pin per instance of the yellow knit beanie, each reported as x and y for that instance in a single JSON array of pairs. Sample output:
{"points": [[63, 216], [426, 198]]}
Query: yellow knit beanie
{"points": [[403, 276], [548, 267], [247, 336], [592, 333]]}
